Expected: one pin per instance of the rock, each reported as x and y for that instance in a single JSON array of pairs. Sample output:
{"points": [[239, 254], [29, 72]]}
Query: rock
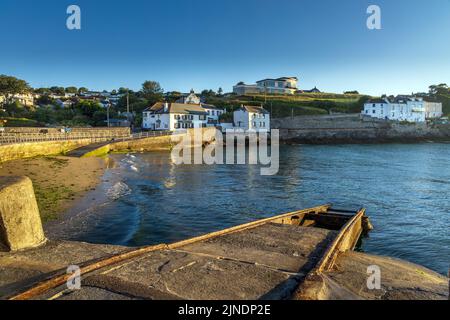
{"points": [[20, 222]]}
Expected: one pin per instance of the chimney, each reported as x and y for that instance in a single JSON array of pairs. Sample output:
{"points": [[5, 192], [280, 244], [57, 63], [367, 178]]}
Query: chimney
{"points": [[166, 107]]}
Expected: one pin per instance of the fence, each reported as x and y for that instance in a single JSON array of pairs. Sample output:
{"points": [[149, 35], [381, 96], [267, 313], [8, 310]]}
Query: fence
{"points": [[94, 137]]}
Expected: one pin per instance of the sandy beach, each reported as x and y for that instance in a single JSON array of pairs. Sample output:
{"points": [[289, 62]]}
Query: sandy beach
{"points": [[59, 182]]}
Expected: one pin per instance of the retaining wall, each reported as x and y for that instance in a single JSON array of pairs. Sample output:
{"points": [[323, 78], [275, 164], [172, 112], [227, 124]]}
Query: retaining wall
{"points": [[353, 129], [33, 149]]}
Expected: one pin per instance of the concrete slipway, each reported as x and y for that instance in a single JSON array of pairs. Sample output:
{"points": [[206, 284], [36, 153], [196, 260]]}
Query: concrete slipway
{"points": [[307, 254]]}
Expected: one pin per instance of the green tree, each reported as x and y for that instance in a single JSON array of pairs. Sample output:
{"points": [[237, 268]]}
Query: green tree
{"points": [[44, 115], [72, 90], [152, 91], [87, 108], [123, 90], [439, 89], [42, 91], [82, 90], [58, 90], [173, 96], [10, 86]]}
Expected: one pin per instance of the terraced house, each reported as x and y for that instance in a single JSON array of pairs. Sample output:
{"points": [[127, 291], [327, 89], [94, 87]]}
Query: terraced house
{"points": [[403, 108]]}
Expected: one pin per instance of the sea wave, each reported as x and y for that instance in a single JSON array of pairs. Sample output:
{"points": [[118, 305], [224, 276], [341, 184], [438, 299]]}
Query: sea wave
{"points": [[118, 190]]}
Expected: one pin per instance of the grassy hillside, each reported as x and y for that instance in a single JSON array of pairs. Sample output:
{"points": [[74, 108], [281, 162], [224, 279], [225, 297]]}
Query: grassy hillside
{"points": [[19, 122], [303, 104]]}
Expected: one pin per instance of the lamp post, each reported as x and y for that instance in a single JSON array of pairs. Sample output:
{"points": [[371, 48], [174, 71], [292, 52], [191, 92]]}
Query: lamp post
{"points": [[107, 114]]}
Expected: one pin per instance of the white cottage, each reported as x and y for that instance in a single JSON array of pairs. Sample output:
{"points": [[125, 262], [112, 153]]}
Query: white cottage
{"points": [[213, 114], [252, 118], [403, 108], [174, 116]]}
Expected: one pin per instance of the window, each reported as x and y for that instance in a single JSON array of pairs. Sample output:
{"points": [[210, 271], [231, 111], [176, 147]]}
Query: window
{"points": [[177, 125], [374, 111], [202, 117]]}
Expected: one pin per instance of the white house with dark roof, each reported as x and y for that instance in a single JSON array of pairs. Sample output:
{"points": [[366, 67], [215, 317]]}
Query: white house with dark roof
{"points": [[174, 116], [403, 108], [251, 118], [283, 85]]}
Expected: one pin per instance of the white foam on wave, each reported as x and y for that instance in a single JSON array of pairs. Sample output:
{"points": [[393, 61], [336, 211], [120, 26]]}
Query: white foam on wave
{"points": [[118, 190]]}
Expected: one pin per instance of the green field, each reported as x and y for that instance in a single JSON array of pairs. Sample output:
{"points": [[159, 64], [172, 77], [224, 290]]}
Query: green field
{"points": [[19, 122], [302, 104]]}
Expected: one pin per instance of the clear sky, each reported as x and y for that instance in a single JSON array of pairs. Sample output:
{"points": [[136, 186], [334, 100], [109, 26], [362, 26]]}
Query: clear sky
{"points": [[207, 44]]}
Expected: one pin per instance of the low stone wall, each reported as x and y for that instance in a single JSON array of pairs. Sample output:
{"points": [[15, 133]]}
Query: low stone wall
{"points": [[33, 149]]}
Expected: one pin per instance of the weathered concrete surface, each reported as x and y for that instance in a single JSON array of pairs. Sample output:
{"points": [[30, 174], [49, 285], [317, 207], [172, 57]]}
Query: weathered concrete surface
{"points": [[268, 261], [352, 128], [20, 222], [19, 270], [274, 245], [400, 280], [34, 149], [86, 150]]}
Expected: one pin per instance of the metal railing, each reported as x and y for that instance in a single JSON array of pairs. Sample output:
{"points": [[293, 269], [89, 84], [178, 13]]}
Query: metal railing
{"points": [[14, 138]]}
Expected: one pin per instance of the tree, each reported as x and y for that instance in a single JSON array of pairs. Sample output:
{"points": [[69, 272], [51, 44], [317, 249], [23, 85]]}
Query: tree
{"points": [[87, 108], [220, 91], [83, 90], [123, 90], [152, 91], [208, 93], [173, 96], [44, 115], [10, 86], [42, 91], [439, 89], [72, 90], [44, 100], [60, 91]]}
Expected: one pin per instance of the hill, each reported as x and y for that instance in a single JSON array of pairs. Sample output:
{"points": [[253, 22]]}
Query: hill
{"points": [[302, 104]]}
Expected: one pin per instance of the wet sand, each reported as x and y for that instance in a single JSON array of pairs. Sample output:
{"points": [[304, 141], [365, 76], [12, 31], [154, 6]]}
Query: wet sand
{"points": [[59, 182]]}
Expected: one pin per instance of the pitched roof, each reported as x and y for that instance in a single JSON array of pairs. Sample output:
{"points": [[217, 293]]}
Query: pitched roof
{"points": [[376, 100], [210, 106], [255, 109], [182, 108]]}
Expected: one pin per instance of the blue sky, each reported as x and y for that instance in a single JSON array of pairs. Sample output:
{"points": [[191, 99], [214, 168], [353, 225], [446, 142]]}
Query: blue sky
{"points": [[216, 43]]}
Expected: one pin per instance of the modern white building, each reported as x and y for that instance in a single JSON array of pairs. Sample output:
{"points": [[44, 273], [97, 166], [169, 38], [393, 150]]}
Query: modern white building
{"points": [[403, 108], [174, 116], [283, 85], [251, 118]]}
